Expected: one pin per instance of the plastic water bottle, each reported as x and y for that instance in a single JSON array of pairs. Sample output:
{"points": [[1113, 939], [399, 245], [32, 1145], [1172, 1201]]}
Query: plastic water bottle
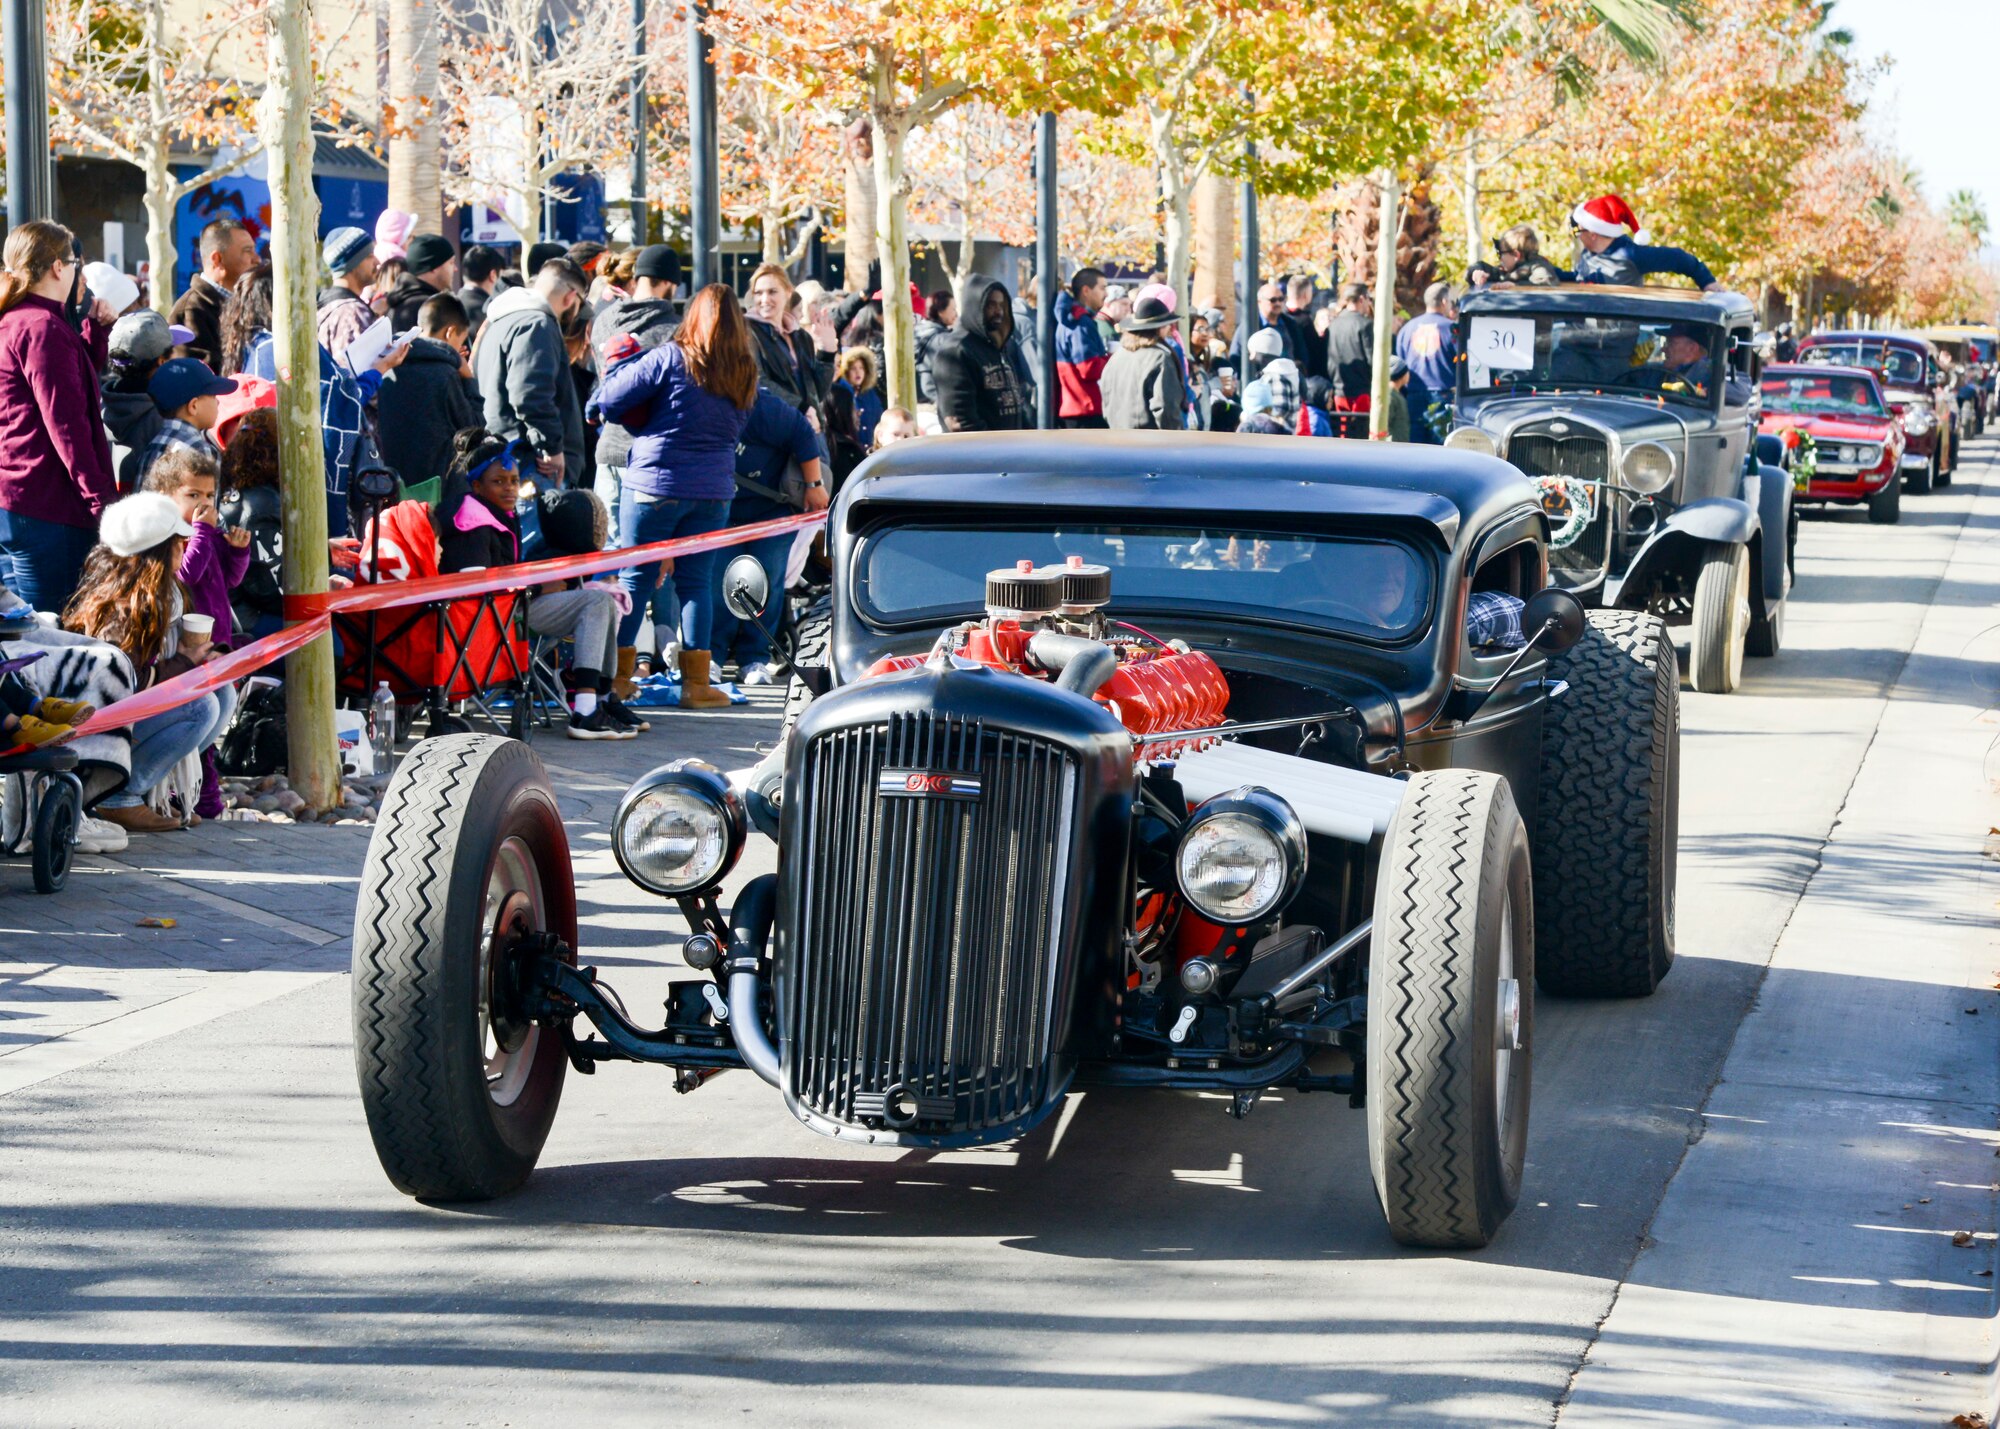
{"points": [[382, 728]]}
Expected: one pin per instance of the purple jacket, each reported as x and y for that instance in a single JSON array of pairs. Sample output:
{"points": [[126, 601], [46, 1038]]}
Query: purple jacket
{"points": [[55, 459], [683, 438], [209, 567]]}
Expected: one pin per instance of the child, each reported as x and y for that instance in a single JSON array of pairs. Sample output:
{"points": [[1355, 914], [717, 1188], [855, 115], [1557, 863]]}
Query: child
{"points": [[249, 502], [428, 399], [129, 597], [28, 720], [185, 391], [213, 563], [477, 528]]}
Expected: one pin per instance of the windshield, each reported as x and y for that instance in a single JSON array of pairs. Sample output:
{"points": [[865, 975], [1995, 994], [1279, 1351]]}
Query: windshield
{"points": [[1542, 351], [1808, 394], [1898, 365], [1380, 589]]}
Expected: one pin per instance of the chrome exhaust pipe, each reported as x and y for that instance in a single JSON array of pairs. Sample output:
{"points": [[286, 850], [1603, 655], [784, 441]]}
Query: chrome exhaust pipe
{"points": [[751, 927]]}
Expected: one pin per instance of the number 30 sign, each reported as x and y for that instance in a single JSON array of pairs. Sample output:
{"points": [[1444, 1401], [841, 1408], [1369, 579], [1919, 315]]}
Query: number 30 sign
{"points": [[1503, 343]]}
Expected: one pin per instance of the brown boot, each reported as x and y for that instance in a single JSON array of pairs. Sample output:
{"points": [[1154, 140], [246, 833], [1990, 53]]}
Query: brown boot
{"points": [[138, 819], [696, 692], [623, 685]]}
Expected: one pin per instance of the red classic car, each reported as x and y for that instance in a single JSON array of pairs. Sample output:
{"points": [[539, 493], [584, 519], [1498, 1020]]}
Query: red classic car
{"points": [[1857, 438], [1914, 385]]}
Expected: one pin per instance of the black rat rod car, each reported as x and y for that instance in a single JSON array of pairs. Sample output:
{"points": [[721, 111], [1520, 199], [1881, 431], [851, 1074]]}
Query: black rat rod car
{"points": [[1146, 760], [1635, 411]]}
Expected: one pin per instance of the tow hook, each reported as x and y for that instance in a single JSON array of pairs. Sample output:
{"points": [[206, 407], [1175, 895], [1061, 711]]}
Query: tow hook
{"points": [[1241, 1102]]}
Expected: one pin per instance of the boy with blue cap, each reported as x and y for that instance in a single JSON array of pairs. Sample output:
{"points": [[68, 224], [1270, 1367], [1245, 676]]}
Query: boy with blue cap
{"points": [[184, 389]]}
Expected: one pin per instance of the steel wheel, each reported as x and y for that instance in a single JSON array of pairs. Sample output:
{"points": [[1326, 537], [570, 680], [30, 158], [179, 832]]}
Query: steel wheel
{"points": [[515, 911]]}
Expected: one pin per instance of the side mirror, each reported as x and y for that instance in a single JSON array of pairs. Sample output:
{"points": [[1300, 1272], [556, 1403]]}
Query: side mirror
{"points": [[746, 590], [1552, 620]]}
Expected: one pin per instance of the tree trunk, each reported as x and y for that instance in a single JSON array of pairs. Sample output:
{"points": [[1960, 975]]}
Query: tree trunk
{"points": [[858, 237], [899, 338], [962, 271], [1214, 283], [1389, 207], [413, 98], [772, 222], [1474, 240], [1176, 208], [312, 756], [160, 258]]}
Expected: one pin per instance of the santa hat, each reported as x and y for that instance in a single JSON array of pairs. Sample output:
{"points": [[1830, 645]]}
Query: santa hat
{"points": [[1608, 216]]}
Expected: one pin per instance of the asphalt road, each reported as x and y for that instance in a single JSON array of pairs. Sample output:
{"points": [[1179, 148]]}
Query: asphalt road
{"points": [[193, 1228]]}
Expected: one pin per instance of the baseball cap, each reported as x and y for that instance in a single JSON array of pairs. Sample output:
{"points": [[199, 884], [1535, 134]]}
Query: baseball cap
{"points": [[181, 380], [141, 522], [143, 336]]}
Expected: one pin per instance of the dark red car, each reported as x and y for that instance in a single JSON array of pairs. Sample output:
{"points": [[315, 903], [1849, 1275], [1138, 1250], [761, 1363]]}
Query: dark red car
{"points": [[1914, 386], [1857, 438]]}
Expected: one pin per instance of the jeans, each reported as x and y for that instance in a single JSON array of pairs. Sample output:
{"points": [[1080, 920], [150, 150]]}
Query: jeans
{"points": [[749, 641], [164, 740], [40, 561], [643, 520]]}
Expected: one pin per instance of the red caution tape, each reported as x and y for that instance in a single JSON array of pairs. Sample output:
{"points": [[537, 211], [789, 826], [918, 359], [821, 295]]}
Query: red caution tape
{"points": [[313, 612]]}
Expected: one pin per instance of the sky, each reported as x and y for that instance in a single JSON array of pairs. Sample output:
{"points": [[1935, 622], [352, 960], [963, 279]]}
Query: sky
{"points": [[1933, 102]]}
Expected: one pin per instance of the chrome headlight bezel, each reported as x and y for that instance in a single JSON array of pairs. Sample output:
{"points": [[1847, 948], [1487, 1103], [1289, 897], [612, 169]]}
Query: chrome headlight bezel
{"points": [[1648, 468], [1471, 439], [1918, 420], [703, 798], [1265, 824]]}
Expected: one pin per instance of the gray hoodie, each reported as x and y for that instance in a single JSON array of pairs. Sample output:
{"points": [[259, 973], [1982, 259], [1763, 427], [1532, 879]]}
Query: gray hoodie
{"points": [[525, 390]]}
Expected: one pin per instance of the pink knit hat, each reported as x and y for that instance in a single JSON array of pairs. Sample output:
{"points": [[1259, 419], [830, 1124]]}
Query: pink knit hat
{"points": [[392, 231], [1161, 291]]}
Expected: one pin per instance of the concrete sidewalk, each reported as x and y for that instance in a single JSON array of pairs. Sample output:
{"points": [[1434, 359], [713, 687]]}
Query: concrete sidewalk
{"points": [[1826, 1253]]}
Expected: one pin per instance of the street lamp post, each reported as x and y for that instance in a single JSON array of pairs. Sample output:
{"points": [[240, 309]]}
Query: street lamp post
{"points": [[704, 161], [1046, 259], [640, 227], [29, 192]]}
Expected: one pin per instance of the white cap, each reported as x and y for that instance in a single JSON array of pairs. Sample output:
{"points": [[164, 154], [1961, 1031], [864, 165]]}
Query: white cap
{"points": [[118, 291], [1265, 342], [139, 523], [1113, 292]]}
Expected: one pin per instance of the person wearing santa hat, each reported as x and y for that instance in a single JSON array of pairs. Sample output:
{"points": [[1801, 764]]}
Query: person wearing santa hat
{"points": [[1615, 250]]}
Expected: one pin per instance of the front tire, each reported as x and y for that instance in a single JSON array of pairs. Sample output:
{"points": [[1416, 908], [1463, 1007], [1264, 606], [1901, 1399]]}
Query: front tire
{"points": [[1923, 481], [812, 648], [1721, 618], [1885, 507], [1607, 836], [57, 820], [467, 862], [1450, 1017]]}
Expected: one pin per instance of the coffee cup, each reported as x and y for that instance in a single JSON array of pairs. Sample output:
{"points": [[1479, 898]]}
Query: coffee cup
{"points": [[201, 627]]}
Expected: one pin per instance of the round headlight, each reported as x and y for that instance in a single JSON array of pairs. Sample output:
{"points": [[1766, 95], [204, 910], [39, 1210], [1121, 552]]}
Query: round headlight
{"points": [[1471, 439], [1241, 857], [679, 830], [1648, 468], [1918, 420]]}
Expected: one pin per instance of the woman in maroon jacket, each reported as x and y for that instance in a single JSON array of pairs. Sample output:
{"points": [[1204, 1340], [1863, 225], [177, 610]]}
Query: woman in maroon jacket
{"points": [[55, 459]]}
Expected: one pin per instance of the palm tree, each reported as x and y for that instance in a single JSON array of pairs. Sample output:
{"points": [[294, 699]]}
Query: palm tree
{"points": [[1966, 212]]}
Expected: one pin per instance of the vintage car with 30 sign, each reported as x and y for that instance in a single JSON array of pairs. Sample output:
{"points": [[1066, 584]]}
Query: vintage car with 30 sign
{"points": [[1185, 762], [1634, 412]]}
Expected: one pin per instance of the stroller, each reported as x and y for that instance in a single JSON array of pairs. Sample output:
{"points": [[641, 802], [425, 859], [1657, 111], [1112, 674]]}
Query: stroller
{"points": [[41, 798]]}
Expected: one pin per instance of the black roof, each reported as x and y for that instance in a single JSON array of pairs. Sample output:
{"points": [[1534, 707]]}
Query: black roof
{"points": [[1666, 304], [1191, 471]]}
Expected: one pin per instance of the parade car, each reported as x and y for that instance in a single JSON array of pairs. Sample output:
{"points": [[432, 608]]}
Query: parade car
{"points": [[1208, 763], [1634, 412], [1914, 385], [1968, 355], [1845, 443]]}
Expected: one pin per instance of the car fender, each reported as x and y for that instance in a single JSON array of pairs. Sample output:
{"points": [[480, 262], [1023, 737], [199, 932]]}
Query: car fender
{"points": [[1771, 450], [1677, 543], [1771, 490]]}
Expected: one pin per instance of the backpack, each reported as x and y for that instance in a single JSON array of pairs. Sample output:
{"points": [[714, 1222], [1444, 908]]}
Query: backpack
{"points": [[255, 741]]}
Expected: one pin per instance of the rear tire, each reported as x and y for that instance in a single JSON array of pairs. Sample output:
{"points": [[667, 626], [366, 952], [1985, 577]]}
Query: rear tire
{"points": [[469, 856], [1885, 507], [812, 648], [1450, 1015], [1608, 820], [1721, 618]]}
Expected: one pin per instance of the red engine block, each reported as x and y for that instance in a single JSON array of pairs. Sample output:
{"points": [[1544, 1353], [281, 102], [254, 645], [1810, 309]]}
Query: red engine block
{"points": [[1151, 692]]}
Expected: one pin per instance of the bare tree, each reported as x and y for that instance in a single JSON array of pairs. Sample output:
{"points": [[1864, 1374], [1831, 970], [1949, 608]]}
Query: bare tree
{"points": [[531, 93], [781, 160], [971, 169], [411, 112]]}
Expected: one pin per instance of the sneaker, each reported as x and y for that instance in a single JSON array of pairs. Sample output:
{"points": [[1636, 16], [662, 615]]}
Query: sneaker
{"points": [[100, 836], [758, 672], [596, 725], [621, 714]]}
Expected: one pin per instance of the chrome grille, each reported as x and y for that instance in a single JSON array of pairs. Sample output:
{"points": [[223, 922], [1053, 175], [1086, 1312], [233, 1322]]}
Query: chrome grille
{"points": [[1584, 458], [925, 959]]}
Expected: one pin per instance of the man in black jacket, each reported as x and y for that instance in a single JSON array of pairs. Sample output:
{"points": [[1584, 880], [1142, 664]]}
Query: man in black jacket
{"points": [[978, 389], [480, 266], [227, 252], [429, 269], [1350, 348], [425, 401]]}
